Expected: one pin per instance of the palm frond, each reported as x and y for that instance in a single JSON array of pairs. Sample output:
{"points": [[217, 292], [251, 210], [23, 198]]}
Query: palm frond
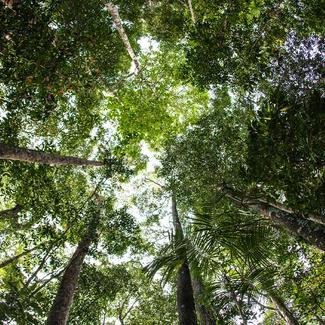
{"points": [[245, 237], [166, 261]]}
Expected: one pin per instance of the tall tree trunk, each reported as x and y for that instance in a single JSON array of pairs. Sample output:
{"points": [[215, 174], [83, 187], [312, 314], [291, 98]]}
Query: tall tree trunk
{"points": [[205, 317], [179, 235], [313, 233], [191, 11], [59, 312], [283, 309], [185, 297], [119, 26], [8, 152]]}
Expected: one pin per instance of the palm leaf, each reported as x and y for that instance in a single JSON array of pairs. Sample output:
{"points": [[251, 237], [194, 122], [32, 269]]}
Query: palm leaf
{"points": [[246, 237], [167, 261]]}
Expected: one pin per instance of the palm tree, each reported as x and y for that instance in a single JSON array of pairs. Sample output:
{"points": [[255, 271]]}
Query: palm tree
{"points": [[196, 253], [232, 256], [173, 256], [249, 273]]}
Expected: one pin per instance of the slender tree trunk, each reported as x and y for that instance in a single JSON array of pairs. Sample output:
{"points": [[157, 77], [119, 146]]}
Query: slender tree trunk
{"points": [[191, 11], [8, 152], [205, 317], [185, 300], [59, 312], [112, 9], [313, 233], [239, 307], [176, 222], [283, 309], [185, 297]]}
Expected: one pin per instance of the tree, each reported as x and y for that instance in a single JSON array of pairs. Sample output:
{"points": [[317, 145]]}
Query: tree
{"points": [[59, 312], [8, 152], [285, 153], [113, 10], [312, 232], [233, 44], [217, 153], [185, 296], [131, 306], [205, 315]]}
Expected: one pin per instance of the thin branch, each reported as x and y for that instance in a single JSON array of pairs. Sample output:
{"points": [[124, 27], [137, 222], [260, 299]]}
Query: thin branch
{"points": [[43, 261], [129, 309], [152, 181], [46, 282]]}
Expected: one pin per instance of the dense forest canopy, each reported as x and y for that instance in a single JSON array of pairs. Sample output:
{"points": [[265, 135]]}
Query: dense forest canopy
{"points": [[162, 162]]}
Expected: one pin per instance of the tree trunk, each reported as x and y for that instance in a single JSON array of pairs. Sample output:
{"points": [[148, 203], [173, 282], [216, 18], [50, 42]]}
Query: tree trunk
{"points": [[59, 312], [185, 300], [283, 309], [179, 235], [8, 152], [317, 218], [205, 317], [191, 11], [313, 233], [118, 24], [185, 297]]}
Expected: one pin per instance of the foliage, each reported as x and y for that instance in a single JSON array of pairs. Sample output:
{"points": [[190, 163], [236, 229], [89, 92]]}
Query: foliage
{"points": [[154, 104], [228, 96], [285, 150]]}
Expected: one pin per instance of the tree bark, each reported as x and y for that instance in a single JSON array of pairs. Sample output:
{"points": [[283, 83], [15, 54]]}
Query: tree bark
{"points": [[185, 300], [59, 312], [112, 9], [185, 297], [317, 218], [179, 235], [313, 233], [191, 11], [8, 152], [283, 309], [205, 317]]}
